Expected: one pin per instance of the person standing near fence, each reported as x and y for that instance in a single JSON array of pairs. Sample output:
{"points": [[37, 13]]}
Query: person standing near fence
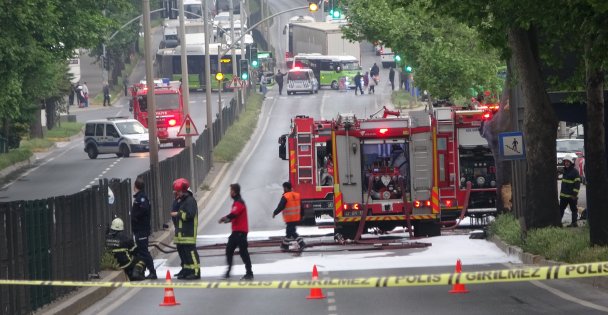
{"points": [[140, 224], [186, 215]]}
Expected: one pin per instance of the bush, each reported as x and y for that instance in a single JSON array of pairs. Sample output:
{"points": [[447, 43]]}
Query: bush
{"points": [[14, 156], [507, 228], [557, 243]]}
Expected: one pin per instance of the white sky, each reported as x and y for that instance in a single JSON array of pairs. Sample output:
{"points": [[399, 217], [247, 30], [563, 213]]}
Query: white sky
{"points": [[444, 251]]}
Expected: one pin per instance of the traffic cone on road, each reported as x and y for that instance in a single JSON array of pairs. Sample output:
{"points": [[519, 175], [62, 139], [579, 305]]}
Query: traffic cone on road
{"points": [[315, 293], [458, 287], [169, 299]]}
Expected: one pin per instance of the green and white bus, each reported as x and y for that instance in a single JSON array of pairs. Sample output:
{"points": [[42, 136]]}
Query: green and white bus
{"points": [[329, 69], [168, 65]]}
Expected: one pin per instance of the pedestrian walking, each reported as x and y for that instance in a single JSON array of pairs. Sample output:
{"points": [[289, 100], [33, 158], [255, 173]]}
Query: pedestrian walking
{"points": [[106, 93], [571, 183], [123, 249], [366, 80], [375, 70], [290, 206], [80, 96], [358, 78], [373, 81], [125, 84], [391, 78], [278, 78], [185, 212], [85, 92], [140, 225], [240, 228], [72, 94]]}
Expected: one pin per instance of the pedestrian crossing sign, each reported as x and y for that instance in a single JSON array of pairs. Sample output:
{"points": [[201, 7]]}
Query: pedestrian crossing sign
{"points": [[187, 128], [511, 146]]}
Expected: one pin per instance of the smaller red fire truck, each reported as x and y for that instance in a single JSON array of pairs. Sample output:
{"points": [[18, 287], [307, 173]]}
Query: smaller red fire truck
{"points": [[169, 109], [410, 170]]}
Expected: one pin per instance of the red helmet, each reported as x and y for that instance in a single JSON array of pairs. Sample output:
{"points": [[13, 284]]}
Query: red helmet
{"points": [[181, 184]]}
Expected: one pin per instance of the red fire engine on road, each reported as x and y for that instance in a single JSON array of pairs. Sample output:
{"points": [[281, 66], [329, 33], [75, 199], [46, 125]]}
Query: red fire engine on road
{"points": [[409, 171], [169, 109]]}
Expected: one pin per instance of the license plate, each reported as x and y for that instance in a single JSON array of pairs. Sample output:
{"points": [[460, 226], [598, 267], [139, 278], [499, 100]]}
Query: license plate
{"points": [[162, 129], [353, 213]]}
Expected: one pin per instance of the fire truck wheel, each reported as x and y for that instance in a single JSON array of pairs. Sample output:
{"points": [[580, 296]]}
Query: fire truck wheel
{"points": [[334, 85], [92, 152], [124, 150]]}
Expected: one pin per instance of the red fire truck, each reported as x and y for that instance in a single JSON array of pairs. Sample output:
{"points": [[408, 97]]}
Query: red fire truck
{"points": [[169, 109], [411, 170]]}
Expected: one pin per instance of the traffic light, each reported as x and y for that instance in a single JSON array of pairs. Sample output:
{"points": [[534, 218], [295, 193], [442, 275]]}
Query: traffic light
{"points": [[105, 62], [408, 69], [255, 63], [313, 6], [335, 13], [244, 69], [397, 58], [219, 76]]}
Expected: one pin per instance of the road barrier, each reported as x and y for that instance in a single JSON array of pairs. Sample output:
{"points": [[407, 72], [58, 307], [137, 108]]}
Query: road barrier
{"points": [[571, 271]]}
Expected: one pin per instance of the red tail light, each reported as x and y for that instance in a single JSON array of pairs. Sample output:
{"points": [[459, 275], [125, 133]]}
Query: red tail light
{"points": [[345, 206], [383, 131], [427, 203], [172, 122], [448, 203], [417, 204], [356, 206]]}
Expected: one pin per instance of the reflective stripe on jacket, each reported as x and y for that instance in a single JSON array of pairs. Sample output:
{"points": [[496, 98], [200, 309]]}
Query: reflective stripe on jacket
{"points": [[291, 213], [571, 183]]}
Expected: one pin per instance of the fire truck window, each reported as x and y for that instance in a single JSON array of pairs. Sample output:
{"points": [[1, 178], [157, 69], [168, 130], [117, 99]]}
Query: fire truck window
{"points": [[441, 144], [143, 103], [324, 166], [167, 101]]}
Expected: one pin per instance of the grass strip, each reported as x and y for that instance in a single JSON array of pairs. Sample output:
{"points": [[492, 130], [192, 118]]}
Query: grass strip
{"points": [[64, 132]]}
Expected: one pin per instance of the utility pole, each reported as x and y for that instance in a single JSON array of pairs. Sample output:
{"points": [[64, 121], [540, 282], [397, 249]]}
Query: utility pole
{"points": [[152, 130], [208, 77], [186, 87], [233, 43], [243, 32]]}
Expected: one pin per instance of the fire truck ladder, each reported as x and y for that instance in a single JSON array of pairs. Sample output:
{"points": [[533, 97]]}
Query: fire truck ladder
{"points": [[449, 125], [304, 156]]}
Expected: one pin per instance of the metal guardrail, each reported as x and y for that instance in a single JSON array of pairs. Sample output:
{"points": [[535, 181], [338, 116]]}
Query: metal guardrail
{"points": [[62, 237]]}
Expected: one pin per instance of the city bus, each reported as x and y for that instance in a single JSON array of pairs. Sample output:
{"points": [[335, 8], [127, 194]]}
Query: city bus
{"points": [[168, 65], [329, 69]]}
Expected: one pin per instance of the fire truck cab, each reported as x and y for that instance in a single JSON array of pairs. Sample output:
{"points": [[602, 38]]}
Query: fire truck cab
{"points": [[410, 170], [169, 109]]}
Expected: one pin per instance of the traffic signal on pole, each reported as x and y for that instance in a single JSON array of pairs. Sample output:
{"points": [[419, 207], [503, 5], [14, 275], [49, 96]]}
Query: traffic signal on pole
{"points": [[105, 62], [408, 69], [244, 69], [255, 63], [219, 76], [313, 6], [397, 58]]}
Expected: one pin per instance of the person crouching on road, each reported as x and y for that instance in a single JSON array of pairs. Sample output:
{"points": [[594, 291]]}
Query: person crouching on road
{"points": [[240, 228], [124, 250], [291, 207], [571, 183], [140, 225], [186, 229]]}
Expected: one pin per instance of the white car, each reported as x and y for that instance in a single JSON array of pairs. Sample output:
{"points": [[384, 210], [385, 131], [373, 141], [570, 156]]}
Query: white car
{"points": [[115, 135], [302, 80], [566, 146]]}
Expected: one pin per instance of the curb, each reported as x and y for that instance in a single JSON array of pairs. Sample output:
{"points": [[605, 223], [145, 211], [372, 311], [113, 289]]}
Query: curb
{"points": [[531, 259], [17, 166], [85, 297]]}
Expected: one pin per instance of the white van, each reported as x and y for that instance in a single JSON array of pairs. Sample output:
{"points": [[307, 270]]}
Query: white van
{"points": [[301, 80], [115, 135]]}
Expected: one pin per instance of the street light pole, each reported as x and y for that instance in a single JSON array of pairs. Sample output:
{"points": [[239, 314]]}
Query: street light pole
{"points": [[208, 78], [152, 132], [232, 42], [185, 86]]}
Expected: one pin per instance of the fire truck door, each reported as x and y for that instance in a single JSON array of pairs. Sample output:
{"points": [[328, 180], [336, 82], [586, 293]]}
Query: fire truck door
{"points": [[348, 158]]}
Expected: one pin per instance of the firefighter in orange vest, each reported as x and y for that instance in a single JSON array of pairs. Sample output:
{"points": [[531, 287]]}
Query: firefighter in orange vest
{"points": [[290, 206]]}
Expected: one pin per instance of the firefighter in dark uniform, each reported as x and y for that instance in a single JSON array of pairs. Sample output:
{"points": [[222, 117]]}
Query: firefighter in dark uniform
{"points": [[123, 248], [140, 224], [571, 183], [291, 208], [185, 231]]}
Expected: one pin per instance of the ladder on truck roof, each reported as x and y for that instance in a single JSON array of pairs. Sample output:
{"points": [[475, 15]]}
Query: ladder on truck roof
{"points": [[305, 154], [446, 124]]}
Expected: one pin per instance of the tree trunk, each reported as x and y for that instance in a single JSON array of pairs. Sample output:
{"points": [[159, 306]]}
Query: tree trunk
{"points": [[540, 132], [36, 125], [596, 169]]}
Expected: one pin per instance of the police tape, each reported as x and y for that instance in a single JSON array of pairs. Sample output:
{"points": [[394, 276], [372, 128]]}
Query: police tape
{"points": [[476, 277]]}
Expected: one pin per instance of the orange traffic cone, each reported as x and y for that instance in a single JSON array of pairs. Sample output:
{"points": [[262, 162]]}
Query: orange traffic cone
{"points": [[315, 293], [458, 287], [169, 299]]}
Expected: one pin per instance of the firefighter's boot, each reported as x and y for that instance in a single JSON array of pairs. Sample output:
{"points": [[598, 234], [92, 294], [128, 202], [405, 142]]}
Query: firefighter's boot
{"points": [[301, 243], [138, 272], [285, 244]]}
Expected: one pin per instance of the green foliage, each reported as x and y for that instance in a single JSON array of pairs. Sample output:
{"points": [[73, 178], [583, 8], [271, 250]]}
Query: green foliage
{"points": [[447, 56], [37, 144], [108, 262], [556, 243], [14, 156], [507, 228], [239, 133]]}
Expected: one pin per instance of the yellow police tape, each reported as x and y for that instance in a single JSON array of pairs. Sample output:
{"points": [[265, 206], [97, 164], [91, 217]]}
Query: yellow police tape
{"points": [[477, 277]]}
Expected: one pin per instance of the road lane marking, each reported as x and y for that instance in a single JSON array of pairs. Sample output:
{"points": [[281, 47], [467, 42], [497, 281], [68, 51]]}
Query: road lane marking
{"points": [[569, 297]]}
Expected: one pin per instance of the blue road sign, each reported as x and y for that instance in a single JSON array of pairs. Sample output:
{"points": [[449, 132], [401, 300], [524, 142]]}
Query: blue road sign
{"points": [[512, 146]]}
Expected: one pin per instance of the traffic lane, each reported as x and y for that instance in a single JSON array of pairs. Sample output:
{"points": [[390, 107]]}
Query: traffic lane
{"points": [[64, 171], [493, 298]]}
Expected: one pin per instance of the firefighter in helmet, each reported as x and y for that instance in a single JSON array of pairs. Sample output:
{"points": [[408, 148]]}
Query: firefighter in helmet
{"points": [[123, 249], [185, 215], [291, 207], [571, 183]]}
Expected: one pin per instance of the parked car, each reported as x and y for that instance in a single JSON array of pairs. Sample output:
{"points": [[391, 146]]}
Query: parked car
{"points": [[565, 146], [115, 135]]}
